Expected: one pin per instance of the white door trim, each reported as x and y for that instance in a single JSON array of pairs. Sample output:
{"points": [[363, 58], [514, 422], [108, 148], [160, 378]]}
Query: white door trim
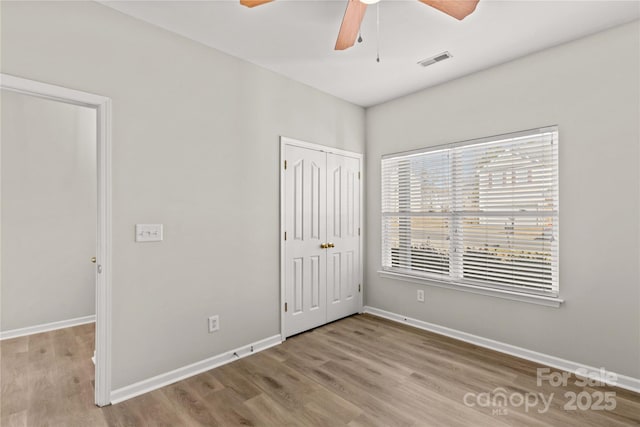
{"points": [[284, 141], [102, 105]]}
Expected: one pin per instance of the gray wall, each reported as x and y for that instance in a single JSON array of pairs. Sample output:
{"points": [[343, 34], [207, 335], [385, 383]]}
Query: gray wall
{"points": [[48, 200], [590, 88], [196, 147]]}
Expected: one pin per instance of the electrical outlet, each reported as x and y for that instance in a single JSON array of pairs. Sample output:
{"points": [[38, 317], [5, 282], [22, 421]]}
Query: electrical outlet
{"points": [[420, 295], [214, 323]]}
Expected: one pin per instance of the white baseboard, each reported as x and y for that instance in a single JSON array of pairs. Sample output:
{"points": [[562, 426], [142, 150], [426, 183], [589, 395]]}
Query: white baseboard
{"points": [[622, 381], [179, 374], [30, 330]]}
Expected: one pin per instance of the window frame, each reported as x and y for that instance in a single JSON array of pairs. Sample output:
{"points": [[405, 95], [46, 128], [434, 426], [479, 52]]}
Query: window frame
{"points": [[453, 279]]}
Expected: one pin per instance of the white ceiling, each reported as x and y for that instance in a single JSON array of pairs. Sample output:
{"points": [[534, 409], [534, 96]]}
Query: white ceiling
{"points": [[296, 38]]}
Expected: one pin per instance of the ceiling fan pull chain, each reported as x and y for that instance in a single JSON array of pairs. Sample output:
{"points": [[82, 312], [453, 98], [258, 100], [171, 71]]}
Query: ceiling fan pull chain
{"points": [[378, 32]]}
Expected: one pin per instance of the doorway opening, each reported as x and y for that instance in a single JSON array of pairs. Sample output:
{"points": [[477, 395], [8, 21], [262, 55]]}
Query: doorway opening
{"points": [[57, 163]]}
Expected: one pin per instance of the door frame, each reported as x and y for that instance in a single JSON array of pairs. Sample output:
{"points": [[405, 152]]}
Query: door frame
{"points": [[284, 141], [102, 106]]}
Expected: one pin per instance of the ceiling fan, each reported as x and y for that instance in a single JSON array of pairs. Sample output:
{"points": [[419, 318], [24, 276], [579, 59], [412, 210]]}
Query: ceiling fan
{"points": [[352, 19]]}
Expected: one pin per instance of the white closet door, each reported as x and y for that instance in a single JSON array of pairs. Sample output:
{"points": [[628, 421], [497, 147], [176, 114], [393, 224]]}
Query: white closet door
{"points": [[306, 228], [343, 223]]}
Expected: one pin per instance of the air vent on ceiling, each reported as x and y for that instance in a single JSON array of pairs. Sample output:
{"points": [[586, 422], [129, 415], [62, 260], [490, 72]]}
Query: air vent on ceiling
{"points": [[439, 57]]}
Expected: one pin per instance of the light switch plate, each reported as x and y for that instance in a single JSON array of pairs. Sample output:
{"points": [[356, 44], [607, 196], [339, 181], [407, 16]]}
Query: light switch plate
{"points": [[149, 232]]}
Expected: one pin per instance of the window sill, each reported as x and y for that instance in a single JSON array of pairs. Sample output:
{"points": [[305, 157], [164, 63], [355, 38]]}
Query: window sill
{"points": [[498, 293]]}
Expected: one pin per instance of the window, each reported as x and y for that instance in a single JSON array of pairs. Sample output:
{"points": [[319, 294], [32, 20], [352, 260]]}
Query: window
{"points": [[482, 213]]}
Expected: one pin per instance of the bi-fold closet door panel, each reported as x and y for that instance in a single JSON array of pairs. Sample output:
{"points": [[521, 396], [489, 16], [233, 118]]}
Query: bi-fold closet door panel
{"points": [[343, 234], [306, 227], [322, 246]]}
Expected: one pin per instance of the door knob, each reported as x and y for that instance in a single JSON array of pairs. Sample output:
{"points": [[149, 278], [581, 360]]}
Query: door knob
{"points": [[324, 245], [93, 259], [331, 245]]}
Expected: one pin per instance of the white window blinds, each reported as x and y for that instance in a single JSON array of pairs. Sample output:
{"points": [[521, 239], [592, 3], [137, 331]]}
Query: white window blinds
{"points": [[482, 212]]}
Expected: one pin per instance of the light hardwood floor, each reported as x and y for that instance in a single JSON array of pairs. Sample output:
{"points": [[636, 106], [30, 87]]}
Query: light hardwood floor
{"points": [[359, 371]]}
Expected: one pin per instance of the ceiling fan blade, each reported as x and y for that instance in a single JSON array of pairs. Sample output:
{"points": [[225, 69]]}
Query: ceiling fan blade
{"points": [[253, 3], [350, 24], [459, 9]]}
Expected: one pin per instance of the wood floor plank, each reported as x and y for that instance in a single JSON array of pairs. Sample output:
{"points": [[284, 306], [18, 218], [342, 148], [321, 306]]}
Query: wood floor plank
{"points": [[351, 389], [187, 403], [205, 384], [332, 407], [229, 408], [359, 371], [236, 377], [153, 410], [269, 412], [15, 419]]}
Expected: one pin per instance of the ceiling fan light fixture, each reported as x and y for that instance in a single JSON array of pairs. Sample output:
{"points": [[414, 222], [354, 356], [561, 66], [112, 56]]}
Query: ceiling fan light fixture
{"points": [[369, 1]]}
